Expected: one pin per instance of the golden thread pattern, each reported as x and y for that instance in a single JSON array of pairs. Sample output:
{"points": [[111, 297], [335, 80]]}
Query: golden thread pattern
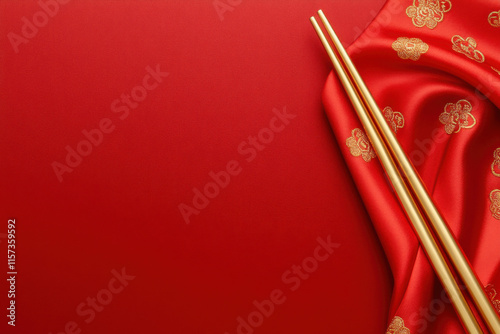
{"points": [[395, 119], [428, 13], [492, 293], [359, 145], [495, 166], [457, 116], [467, 47], [397, 326], [494, 69], [494, 19], [495, 203], [410, 48]]}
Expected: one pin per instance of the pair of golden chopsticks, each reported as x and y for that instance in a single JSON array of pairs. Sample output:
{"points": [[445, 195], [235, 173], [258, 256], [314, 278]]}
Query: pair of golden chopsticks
{"points": [[394, 160]]}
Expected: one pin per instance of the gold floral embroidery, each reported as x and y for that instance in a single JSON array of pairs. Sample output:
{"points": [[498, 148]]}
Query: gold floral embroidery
{"points": [[467, 47], [394, 118], [457, 116], [359, 145], [494, 19], [495, 166], [492, 293], [410, 48], [397, 326], [494, 69], [495, 203], [428, 12]]}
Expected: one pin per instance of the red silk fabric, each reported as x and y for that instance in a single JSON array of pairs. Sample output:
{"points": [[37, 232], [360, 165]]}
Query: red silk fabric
{"points": [[433, 68]]}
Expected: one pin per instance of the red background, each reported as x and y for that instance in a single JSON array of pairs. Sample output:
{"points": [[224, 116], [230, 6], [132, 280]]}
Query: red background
{"points": [[119, 207]]}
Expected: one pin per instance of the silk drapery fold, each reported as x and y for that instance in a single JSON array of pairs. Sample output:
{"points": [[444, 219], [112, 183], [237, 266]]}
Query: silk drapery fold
{"points": [[432, 67]]}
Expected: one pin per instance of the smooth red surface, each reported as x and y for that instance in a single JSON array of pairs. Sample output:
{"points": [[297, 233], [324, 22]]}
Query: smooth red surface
{"points": [[119, 207]]}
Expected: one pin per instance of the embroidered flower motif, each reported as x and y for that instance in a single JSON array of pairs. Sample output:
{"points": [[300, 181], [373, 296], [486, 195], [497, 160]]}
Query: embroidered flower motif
{"points": [[495, 203], [494, 19], [410, 48], [397, 326], [495, 166], [395, 119], [457, 116], [492, 293], [428, 12], [359, 145], [467, 47]]}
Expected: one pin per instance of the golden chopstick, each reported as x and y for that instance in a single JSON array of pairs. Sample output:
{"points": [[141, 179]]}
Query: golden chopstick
{"points": [[445, 236], [424, 234]]}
